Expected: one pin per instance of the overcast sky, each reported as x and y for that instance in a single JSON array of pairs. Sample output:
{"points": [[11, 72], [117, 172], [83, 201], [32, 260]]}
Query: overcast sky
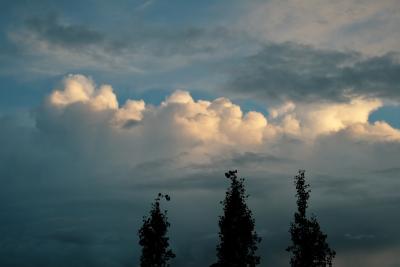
{"points": [[103, 104]]}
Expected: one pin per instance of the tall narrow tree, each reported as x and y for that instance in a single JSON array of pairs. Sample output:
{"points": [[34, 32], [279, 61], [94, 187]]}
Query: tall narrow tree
{"points": [[309, 247], [238, 238], [153, 237]]}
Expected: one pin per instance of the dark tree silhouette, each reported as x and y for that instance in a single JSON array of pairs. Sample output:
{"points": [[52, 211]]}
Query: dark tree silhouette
{"points": [[238, 239], [309, 248], [153, 239]]}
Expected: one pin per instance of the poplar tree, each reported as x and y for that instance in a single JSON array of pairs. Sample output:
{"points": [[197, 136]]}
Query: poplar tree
{"points": [[309, 246], [153, 237], [238, 238]]}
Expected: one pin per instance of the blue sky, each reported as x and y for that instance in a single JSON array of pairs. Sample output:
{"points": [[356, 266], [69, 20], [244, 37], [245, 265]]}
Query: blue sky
{"points": [[104, 104]]}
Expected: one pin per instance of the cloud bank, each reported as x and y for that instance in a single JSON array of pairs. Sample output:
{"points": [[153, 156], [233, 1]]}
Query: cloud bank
{"points": [[81, 169], [222, 122]]}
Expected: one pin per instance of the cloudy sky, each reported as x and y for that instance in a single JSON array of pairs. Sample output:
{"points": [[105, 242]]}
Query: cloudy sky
{"points": [[103, 104]]}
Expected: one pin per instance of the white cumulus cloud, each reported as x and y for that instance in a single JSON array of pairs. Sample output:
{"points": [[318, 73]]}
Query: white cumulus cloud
{"points": [[78, 88], [221, 122]]}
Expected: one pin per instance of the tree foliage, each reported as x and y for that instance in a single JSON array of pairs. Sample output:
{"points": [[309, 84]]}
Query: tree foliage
{"points": [[309, 247], [153, 239], [238, 238]]}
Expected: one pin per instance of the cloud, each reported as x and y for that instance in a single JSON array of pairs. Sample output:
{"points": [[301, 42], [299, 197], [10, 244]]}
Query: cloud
{"points": [[131, 112], [314, 119], [80, 170], [205, 121], [81, 89], [145, 47], [69, 36], [368, 27], [296, 72], [221, 122], [78, 174]]}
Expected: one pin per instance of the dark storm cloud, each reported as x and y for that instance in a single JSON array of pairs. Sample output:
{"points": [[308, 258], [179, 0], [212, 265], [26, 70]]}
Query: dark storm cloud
{"points": [[57, 214], [303, 73], [74, 190]]}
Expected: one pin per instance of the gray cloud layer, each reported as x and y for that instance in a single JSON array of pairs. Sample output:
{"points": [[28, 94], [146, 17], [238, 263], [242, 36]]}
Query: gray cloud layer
{"points": [[53, 45], [69, 36], [139, 48], [160, 41], [303, 73]]}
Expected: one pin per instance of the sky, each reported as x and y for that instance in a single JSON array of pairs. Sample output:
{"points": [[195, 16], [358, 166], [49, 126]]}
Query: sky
{"points": [[103, 104]]}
